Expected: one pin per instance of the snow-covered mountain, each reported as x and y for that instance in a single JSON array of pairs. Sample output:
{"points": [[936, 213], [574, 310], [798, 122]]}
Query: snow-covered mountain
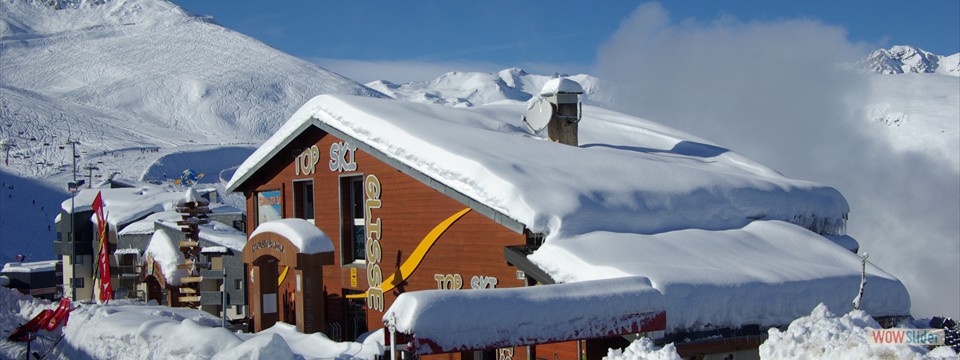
{"points": [[903, 59], [476, 88], [143, 86], [912, 101], [124, 73]]}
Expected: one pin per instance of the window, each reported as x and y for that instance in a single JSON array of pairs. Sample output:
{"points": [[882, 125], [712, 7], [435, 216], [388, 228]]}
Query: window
{"points": [[78, 260], [303, 199], [352, 235], [77, 282], [238, 284]]}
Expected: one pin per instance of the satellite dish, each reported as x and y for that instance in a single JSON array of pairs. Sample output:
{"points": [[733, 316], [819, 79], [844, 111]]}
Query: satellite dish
{"points": [[538, 114]]}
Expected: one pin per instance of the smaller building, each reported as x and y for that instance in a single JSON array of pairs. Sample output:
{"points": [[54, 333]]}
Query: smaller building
{"points": [[221, 267], [132, 208], [38, 278]]}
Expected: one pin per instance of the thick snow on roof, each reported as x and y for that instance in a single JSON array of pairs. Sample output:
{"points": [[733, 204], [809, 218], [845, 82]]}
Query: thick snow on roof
{"points": [[629, 174], [124, 205], [502, 317], [166, 253], [27, 267], [146, 225], [223, 234], [561, 85], [304, 234], [766, 273], [190, 196]]}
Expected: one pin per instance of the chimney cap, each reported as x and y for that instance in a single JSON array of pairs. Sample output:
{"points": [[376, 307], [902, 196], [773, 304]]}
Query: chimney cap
{"points": [[561, 86]]}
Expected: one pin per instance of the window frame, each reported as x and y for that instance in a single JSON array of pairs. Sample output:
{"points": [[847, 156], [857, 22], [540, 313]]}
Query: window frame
{"points": [[347, 225], [298, 199]]}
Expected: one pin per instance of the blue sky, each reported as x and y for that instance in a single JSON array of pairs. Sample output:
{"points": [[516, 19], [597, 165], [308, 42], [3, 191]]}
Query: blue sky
{"points": [[363, 39]]}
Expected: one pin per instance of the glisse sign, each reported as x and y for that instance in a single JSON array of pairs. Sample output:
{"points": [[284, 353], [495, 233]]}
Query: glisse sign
{"points": [[371, 187]]}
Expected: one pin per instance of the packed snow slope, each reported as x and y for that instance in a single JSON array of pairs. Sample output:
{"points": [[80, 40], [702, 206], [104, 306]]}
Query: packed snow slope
{"points": [[151, 68]]}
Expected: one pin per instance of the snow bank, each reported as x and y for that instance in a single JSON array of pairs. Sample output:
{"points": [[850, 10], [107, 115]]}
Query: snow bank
{"points": [[124, 329], [822, 335], [522, 316], [644, 349], [304, 234], [17, 309], [135, 331], [766, 273]]}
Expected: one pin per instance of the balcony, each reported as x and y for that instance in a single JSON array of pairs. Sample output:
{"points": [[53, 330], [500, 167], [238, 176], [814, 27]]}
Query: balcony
{"points": [[72, 248]]}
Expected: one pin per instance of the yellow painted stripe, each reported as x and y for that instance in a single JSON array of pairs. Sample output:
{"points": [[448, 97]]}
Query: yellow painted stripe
{"points": [[283, 275], [416, 257]]}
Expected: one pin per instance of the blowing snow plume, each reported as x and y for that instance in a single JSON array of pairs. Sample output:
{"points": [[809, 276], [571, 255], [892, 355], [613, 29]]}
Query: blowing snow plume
{"points": [[778, 93]]}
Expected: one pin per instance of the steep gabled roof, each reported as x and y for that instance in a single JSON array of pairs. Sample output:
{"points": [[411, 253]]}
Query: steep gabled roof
{"points": [[629, 175]]}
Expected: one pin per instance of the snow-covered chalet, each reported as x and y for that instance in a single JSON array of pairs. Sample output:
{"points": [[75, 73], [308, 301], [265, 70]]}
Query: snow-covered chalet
{"points": [[464, 234]]}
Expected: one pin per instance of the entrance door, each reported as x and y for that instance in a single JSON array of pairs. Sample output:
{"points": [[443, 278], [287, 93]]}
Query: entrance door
{"points": [[265, 276], [355, 317], [154, 291]]}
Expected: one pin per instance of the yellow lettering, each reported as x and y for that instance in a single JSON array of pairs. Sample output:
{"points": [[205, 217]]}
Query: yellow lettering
{"points": [[372, 186], [375, 299]]}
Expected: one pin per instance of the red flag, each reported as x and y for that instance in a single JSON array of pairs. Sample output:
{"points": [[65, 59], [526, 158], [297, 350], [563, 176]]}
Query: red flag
{"points": [[106, 290]]}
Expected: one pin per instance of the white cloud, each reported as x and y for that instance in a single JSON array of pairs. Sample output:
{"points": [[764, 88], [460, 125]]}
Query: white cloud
{"points": [[772, 91]]}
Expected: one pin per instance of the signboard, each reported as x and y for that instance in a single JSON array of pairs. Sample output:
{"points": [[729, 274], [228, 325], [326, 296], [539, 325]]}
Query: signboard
{"points": [[269, 206], [374, 233]]}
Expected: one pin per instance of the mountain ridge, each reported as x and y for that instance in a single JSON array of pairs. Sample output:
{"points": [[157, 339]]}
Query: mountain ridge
{"points": [[903, 59]]}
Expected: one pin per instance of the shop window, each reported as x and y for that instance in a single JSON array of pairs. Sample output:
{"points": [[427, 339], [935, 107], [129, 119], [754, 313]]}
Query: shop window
{"points": [[352, 236], [303, 199]]}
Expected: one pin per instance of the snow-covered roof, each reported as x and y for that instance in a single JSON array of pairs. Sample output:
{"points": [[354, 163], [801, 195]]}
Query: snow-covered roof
{"points": [[223, 234], [125, 205], [166, 254], [214, 250], [192, 196], [561, 85], [28, 267], [146, 225], [525, 316], [629, 175], [303, 234], [708, 227], [766, 273], [127, 251]]}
